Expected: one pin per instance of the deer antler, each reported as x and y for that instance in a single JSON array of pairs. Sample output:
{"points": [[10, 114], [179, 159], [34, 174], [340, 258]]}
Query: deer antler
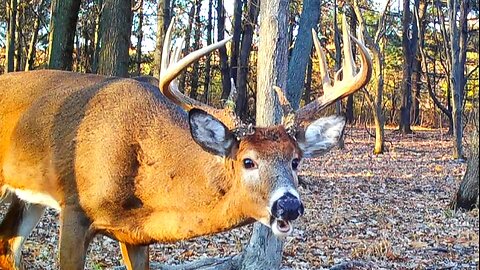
{"points": [[172, 65], [350, 83]]}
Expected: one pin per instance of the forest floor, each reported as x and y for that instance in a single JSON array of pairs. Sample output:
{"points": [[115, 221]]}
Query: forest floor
{"points": [[363, 211]]}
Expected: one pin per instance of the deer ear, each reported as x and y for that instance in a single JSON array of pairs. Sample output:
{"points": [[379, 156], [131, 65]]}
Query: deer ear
{"points": [[321, 135], [211, 134]]}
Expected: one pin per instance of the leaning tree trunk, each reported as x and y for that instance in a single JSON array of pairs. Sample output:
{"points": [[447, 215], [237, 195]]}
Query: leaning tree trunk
{"points": [[116, 27], [467, 195], [62, 24], [33, 40]]}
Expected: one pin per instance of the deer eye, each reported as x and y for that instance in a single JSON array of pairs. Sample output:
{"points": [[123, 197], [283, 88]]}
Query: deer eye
{"points": [[249, 164], [295, 163]]}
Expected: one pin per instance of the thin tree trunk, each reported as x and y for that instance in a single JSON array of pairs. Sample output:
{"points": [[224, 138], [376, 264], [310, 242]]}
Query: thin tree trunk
{"points": [[116, 27], [10, 48], [235, 47], [18, 38], [196, 45], [224, 68], [33, 40], [206, 82], [458, 50], [163, 20], [96, 38], [188, 33], [409, 45], [62, 24], [338, 65], [246, 47], [138, 60]]}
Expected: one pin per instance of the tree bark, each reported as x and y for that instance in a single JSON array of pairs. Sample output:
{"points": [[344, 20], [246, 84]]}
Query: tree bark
{"points": [[183, 77], [224, 67], [10, 48], [196, 45], [409, 45], [163, 20], [241, 107], [376, 100], [206, 80], [116, 28], [458, 49], [33, 40], [63, 25], [466, 197], [18, 38], [301, 51], [138, 55]]}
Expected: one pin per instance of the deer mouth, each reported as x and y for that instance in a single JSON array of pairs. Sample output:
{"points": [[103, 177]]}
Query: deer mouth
{"points": [[281, 228]]}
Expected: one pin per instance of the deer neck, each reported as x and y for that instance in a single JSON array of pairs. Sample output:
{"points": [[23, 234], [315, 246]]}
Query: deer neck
{"points": [[198, 195]]}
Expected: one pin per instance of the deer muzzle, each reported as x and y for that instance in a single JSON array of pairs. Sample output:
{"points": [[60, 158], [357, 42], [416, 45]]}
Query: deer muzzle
{"points": [[284, 210]]}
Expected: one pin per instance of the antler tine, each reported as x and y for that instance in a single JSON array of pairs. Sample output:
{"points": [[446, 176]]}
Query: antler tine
{"points": [[350, 83], [172, 65]]}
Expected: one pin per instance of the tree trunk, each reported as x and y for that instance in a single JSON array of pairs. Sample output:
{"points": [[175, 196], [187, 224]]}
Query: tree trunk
{"points": [[138, 54], [375, 101], [183, 77], [116, 28], [10, 47], [96, 36], [264, 249], [338, 65], [62, 24], [243, 63], [206, 82], [301, 51], [18, 38], [224, 68], [163, 20], [466, 197], [33, 40], [196, 45], [458, 50], [409, 45], [237, 31]]}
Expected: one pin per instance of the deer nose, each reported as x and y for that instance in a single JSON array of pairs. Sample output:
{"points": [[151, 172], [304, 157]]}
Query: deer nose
{"points": [[287, 207]]}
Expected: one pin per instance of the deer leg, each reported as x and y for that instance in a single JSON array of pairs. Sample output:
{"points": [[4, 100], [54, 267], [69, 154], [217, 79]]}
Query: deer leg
{"points": [[75, 236], [16, 226], [135, 257]]}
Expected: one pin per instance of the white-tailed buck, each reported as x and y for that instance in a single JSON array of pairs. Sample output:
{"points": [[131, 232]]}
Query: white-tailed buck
{"points": [[117, 157]]}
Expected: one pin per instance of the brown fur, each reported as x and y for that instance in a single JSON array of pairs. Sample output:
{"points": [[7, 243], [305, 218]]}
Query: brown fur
{"points": [[118, 158]]}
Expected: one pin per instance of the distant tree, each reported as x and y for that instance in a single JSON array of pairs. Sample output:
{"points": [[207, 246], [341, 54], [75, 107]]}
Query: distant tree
{"points": [[32, 45], [62, 24], [10, 46], [116, 27], [139, 35], [207, 73], [375, 99]]}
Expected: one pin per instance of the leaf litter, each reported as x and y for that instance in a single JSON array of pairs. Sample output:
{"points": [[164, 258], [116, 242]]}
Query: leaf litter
{"points": [[362, 211]]}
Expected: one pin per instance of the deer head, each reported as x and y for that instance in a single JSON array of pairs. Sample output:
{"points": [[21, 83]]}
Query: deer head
{"points": [[264, 161]]}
